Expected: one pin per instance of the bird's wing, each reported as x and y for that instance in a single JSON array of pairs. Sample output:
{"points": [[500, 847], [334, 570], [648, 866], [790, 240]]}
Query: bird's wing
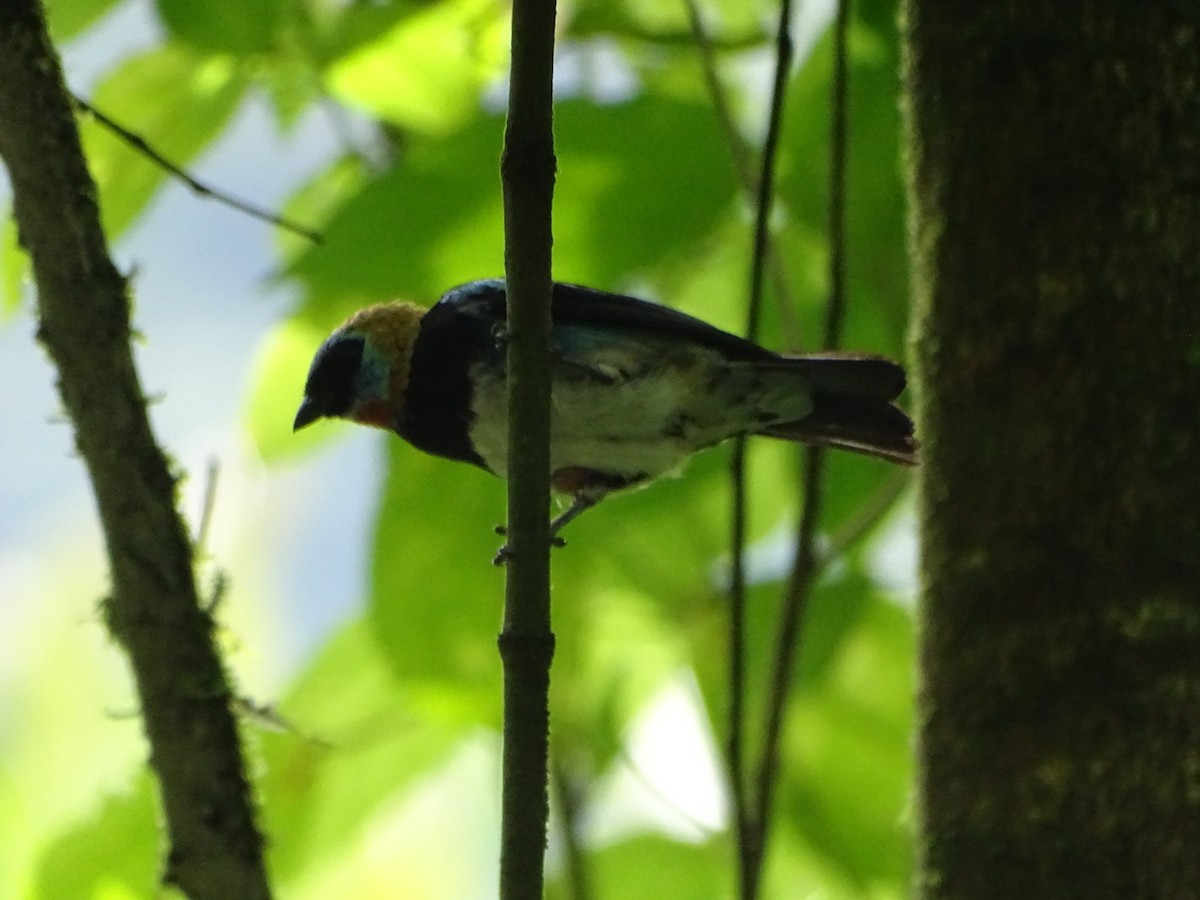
{"points": [[577, 305], [584, 307], [608, 337]]}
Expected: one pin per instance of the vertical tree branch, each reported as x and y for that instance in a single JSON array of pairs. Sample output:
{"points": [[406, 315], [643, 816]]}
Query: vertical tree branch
{"points": [[527, 642], [743, 162], [805, 563], [215, 848], [749, 825], [835, 309], [743, 165], [735, 748]]}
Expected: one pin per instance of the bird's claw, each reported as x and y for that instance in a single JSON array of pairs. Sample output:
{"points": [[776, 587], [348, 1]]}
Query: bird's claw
{"points": [[505, 553]]}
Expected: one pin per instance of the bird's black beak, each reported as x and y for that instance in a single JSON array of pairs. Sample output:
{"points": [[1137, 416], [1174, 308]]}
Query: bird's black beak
{"points": [[308, 413]]}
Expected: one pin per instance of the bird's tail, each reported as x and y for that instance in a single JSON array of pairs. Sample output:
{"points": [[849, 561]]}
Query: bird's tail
{"points": [[852, 407]]}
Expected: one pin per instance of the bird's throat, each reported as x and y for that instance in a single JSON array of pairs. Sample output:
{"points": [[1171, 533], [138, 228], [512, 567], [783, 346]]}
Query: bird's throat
{"points": [[377, 414]]}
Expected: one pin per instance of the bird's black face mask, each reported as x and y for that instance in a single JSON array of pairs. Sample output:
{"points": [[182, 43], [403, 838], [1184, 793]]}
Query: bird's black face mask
{"points": [[332, 381]]}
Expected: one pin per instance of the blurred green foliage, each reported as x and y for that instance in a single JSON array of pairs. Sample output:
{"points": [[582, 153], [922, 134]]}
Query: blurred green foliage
{"points": [[647, 201]]}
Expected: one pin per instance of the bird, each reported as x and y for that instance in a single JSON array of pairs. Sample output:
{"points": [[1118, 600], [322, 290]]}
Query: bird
{"points": [[636, 388]]}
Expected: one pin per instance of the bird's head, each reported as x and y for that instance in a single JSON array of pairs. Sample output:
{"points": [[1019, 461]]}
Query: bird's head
{"points": [[361, 371]]}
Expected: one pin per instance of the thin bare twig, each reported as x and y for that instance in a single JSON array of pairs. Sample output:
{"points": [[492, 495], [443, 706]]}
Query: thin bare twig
{"points": [[794, 607], [735, 743], [749, 826], [142, 146], [742, 161], [864, 519], [743, 165], [835, 311], [212, 473], [805, 565]]}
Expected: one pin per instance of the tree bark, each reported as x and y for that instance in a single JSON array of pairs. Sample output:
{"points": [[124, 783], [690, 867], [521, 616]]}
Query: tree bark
{"points": [[215, 848], [1054, 180]]}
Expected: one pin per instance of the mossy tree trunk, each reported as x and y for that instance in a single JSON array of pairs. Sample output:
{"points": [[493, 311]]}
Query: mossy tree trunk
{"points": [[1054, 175]]}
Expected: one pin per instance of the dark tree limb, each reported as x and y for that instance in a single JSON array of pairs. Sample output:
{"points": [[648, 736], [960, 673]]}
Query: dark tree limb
{"points": [[527, 643], [743, 165], [1054, 151], [215, 847]]}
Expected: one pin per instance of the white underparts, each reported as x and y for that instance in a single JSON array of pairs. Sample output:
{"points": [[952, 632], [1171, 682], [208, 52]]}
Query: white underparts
{"points": [[629, 417]]}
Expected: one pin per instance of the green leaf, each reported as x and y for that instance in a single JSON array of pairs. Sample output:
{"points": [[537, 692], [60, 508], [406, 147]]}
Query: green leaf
{"points": [[332, 31], [291, 81], [277, 379], [876, 260], [14, 268], [607, 668], [835, 609], [850, 740], [357, 743], [223, 26], [427, 71], [795, 869], [623, 206], [653, 867], [413, 231], [733, 24], [67, 18], [643, 183], [436, 597], [175, 101], [315, 202], [114, 853]]}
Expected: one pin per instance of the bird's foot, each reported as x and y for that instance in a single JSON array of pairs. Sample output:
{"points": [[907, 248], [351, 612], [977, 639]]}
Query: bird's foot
{"points": [[505, 553], [580, 502]]}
